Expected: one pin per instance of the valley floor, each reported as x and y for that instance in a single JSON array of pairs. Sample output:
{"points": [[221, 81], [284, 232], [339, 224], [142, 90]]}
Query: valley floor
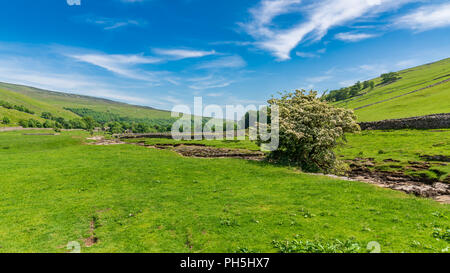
{"points": [[126, 198]]}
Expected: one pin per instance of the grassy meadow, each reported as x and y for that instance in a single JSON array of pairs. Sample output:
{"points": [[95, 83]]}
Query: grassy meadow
{"points": [[404, 146], [57, 189]]}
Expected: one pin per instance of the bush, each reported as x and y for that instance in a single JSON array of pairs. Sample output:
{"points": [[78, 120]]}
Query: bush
{"points": [[46, 115], [6, 120], [389, 77], [310, 130], [23, 123]]}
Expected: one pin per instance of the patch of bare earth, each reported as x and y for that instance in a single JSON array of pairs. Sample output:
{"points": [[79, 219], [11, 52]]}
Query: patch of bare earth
{"points": [[397, 180], [92, 239], [101, 141], [213, 152]]}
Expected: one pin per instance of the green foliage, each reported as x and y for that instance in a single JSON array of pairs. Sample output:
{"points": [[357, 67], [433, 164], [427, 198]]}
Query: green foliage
{"points": [[335, 246], [349, 92], [389, 77], [310, 130], [443, 234], [115, 128], [6, 120], [19, 108], [249, 119], [47, 115], [89, 122], [136, 125]]}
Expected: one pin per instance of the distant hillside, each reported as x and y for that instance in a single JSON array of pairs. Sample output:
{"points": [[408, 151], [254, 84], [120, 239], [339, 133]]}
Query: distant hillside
{"points": [[39, 101], [419, 91]]}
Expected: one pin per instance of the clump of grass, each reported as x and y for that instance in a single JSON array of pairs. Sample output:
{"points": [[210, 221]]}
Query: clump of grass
{"points": [[443, 234], [334, 246]]}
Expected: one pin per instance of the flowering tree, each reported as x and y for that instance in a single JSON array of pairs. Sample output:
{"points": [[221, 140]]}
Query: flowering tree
{"points": [[310, 129]]}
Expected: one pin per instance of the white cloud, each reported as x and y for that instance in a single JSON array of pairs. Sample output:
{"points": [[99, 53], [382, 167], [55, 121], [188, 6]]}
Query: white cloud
{"points": [[183, 53], [306, 54], [14, 72], [74, 2], [353, 37], [319, 79], [235, 61], [426, 18], [120, 64], [319, 16], [214, 95], [111, 23], [209, 82]]}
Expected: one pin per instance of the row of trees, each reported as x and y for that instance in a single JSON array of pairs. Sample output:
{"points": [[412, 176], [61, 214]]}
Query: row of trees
{"points": [[120, 124], [20, 108], [349, 92], [59, 123], [390, 77], [357, 88]]}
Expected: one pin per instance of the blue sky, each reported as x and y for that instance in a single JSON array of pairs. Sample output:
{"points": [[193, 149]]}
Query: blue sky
{"points": [[160, 53]]}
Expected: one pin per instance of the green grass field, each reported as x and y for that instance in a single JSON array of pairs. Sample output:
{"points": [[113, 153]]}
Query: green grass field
{"points": [[428, 101], [55, 189], [404, 146]]}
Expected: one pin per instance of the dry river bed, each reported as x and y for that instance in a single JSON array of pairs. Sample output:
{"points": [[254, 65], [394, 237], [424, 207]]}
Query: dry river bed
{"points": [[360, 168]]}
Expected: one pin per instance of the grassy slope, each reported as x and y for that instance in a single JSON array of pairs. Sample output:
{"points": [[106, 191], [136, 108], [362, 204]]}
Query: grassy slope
{"points": [[54, 102], [401, 145], [428, 101], [146, 200]]}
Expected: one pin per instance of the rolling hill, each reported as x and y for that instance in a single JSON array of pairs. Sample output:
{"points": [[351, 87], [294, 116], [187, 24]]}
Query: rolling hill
{"points": [[420, 91], [39, 101]]}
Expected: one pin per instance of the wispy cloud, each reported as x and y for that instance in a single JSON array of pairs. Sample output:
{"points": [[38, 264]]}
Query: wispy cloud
{"points": [[318, 17], [74, 2], [183, 53], [307, 54], [111, 23], [209, 82], [319, 79], [17, 72], [426, 18], [353, 37], [119, 64], [234, 61]]}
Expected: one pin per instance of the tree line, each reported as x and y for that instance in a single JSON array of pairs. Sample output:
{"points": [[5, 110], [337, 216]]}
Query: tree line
{"points": [[20, 108], [356, 89]]}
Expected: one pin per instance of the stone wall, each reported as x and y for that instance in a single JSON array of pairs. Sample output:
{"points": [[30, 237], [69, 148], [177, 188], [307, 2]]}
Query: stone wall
{"points": [[436, 121]]}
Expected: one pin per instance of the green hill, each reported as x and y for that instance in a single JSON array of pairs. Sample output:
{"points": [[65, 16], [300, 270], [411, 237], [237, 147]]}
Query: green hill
{"points": [[419, 91], [39, 101]]}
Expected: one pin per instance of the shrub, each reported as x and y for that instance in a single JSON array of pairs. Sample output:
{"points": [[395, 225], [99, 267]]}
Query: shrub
{"points": [[443, 234], [48, 124], [46, 115], [6, 120], [310, 130], [23, 123], [389, 77]]}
